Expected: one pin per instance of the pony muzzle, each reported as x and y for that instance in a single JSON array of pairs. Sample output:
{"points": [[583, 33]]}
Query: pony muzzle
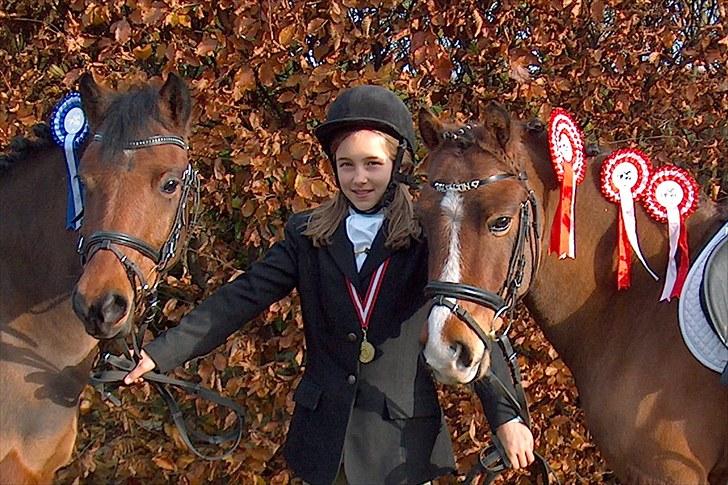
{"points": [[106, 316], [103, 298], [456, 358]]}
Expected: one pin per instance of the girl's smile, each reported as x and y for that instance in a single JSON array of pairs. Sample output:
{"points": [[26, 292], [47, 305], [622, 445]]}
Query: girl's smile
{"points": [[364, 167]]}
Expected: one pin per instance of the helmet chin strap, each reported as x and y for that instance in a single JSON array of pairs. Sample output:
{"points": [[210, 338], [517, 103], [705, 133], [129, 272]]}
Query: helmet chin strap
{"points": [[391, 187]]}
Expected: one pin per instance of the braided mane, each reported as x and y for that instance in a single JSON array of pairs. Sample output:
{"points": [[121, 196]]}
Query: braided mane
{"points": [[22, 148]]}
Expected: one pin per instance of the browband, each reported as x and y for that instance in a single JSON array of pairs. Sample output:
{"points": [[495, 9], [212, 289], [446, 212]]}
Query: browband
{"points": [[475, 183], [152, 141]]}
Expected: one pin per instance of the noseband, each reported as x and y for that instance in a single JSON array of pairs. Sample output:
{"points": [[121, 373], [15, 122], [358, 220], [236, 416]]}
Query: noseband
{"points": [[185, 217]]}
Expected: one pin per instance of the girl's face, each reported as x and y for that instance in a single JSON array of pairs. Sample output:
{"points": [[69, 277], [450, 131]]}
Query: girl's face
{"points": [[364, 167]]}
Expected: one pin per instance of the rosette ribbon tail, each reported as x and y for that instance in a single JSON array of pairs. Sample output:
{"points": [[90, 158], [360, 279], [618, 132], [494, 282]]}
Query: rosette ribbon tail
{"points": [[684, 263], [628, 228], [74, 208], [562, 228], [674, 228], [624, 256]]}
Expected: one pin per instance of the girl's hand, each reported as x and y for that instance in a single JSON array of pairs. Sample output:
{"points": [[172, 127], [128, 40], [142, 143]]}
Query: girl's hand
{"points": [[144, 366], [518, 443]]}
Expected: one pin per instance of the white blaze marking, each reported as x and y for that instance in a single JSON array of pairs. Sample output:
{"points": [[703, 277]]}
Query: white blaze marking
{"points": [[452, 208], [438, 353]]}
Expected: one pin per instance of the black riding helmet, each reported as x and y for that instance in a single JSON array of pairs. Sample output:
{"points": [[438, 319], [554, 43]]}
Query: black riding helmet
{"points": [[371, 107]]}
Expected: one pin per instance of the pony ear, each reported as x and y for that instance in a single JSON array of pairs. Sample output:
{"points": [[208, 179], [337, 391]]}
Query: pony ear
{"points": [[176, 101], [498, 120], [93, 99], [430, 128], [535, 126]]}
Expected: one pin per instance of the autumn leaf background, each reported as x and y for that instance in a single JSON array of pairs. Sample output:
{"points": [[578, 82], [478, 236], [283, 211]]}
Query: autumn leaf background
{"points": [[640, 74]]}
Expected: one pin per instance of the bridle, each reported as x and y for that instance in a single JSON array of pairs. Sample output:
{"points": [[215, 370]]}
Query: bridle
{"points": [[147, 304], [493, 460], [446, 293], [145, 294]]}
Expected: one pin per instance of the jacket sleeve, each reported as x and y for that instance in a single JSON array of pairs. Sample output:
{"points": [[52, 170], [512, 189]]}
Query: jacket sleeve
{"points": [[231, 306], [497, 407]]}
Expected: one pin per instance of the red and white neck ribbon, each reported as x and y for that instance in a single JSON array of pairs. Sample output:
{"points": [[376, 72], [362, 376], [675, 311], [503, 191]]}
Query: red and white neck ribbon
{"points": [[671, 196], [566, 144], [364, 310], [624, 177]]}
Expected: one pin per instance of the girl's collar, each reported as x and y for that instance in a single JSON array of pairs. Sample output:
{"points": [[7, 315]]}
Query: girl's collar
{"points": [[374, 211]]}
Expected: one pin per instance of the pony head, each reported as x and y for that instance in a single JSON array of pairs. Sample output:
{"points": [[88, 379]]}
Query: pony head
{"points": [[136, 178], [481, 222]]}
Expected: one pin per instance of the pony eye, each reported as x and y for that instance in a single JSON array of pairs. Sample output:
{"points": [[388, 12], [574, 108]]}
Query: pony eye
{"points": [[170, 186], [500, 225]]}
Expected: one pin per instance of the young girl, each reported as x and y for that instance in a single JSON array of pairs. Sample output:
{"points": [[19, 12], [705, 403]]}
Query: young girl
{"points": [[366, 408]]}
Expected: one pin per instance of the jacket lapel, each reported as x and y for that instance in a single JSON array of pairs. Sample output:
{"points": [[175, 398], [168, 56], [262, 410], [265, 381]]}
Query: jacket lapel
{"points": [[377, 254], [342, 251]]}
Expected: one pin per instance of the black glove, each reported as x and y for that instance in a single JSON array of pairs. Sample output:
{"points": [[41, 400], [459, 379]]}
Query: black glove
{"points": [[498, 408]]}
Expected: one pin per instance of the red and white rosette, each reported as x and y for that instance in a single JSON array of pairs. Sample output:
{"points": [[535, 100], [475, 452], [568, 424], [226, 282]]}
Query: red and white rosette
{"points": [[671, 196], [624, 177], [566, 144]]}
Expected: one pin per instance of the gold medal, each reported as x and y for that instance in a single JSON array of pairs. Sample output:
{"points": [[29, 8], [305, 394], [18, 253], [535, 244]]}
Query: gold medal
{"points": [[366, 353]]}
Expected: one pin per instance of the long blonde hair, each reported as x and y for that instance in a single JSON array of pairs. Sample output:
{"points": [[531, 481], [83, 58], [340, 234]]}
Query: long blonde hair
{"points": [[401, 225]]}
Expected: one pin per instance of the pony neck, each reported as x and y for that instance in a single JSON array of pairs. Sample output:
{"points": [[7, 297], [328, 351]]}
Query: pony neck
{"points": [[41, 252], [576, 301]]}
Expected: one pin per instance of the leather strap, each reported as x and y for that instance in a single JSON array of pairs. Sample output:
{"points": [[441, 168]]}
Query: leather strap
{"points": [[492, 461], [461, 291], [96, 241], [152, 141], [160, 382]]}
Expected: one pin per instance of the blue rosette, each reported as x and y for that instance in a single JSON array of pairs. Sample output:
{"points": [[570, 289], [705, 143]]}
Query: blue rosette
{"points": [[70, 129]]}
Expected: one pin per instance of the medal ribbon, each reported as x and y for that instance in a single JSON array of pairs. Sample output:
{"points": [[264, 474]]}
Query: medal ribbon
{"points": [[562, 228], [364, 312]]}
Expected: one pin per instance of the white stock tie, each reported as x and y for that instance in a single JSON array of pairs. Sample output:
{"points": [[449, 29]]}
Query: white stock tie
{"points": [[362, 229]]}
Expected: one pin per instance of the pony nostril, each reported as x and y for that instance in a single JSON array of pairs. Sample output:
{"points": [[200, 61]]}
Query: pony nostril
{"points": [[114, 308], [465, 357], [108, 311]]}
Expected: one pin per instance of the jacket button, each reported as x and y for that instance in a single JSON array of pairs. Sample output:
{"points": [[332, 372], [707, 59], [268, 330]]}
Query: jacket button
{"points": [[351, 337], [351, 379]]}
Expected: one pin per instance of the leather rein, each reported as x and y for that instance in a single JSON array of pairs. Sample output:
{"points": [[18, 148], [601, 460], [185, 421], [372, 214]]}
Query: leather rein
{"points": [[493, 460], [146, 303]]}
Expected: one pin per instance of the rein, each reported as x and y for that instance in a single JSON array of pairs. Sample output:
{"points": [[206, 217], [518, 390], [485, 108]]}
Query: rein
{"points": [[146, 300], [493, 460]]}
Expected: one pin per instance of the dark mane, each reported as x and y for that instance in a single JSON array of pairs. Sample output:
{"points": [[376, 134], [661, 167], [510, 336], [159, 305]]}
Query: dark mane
{"points": [[22, 148], [127, 118]]}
